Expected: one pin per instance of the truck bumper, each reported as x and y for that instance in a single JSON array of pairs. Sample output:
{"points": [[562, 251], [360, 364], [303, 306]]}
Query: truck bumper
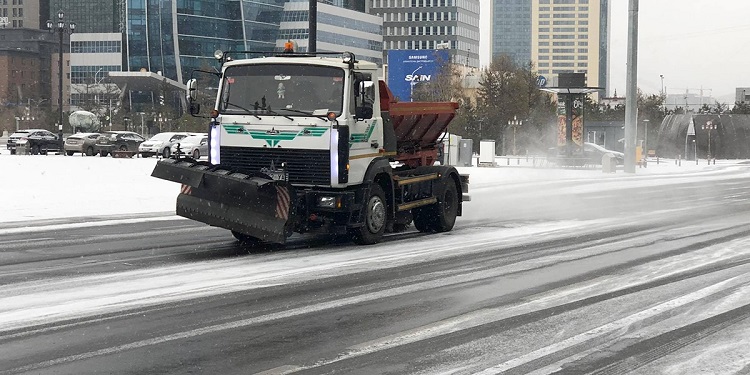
{"points": [[252, 205]]}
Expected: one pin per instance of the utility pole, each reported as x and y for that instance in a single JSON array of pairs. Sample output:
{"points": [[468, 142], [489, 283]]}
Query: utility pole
{"points": [[631, 99], [312, 24]]}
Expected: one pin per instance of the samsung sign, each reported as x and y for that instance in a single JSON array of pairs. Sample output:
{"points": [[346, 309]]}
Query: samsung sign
{"points": [[407, 68]]}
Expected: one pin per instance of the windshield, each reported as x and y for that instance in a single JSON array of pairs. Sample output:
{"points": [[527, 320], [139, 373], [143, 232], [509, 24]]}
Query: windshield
{"points": [[292, 90]]}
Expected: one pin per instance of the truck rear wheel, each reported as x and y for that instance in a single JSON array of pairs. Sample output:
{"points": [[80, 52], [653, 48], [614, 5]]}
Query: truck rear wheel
{"points": [[374, 218], [441, 216], [447, 209]]}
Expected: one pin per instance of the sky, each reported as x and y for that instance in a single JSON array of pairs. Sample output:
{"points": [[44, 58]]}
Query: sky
{"points": [[694, 44]]}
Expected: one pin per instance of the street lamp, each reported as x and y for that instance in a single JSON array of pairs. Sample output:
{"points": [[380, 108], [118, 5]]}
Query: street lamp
{"points": [[708, 126], [645, 137], [515, 123], [61, 28], [662, 84]]}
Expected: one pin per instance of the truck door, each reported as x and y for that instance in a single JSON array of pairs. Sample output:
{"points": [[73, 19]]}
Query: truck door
{"points": [[365, 132]]}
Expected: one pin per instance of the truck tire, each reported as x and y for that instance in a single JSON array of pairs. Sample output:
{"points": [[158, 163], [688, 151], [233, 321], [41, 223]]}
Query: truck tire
{"points": [[424, 218], [441, 216], [375, 217], [446, 209]]}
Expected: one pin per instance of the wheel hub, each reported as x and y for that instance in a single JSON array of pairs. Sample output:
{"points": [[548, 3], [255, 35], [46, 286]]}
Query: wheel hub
{"points": [[375, 215]]}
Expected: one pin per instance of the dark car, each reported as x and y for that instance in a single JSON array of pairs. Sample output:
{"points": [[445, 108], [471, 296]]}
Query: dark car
{"points": [[117, 141], [38, 141], [81, 142]]}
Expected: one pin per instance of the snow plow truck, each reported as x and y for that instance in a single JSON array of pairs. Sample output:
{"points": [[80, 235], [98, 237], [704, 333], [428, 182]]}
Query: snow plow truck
{"points": [[312, 143]]}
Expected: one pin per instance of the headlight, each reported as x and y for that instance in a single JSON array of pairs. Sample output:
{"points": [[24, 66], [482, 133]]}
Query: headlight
{"points": [[328, 202]]}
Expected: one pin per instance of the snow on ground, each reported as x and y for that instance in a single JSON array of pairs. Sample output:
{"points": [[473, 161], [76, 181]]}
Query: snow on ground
{"points": [[35, 188]]}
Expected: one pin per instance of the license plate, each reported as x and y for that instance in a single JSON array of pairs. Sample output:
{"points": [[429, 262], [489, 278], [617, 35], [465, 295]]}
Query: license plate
{"points": [[280, 175], [276, 174]]}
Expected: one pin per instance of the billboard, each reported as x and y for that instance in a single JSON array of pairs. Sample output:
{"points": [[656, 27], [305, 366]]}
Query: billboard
{"points": [[408, 67]]}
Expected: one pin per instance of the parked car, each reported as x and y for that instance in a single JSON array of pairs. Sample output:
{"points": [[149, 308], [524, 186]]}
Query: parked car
{"points": [[194, 146], [160, 144], [38, 141], [81, 142], [595, 152], [117, 140]]}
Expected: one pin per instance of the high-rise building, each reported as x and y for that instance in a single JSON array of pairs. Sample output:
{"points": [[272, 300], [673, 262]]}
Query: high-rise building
{"points": [[341, 26], [30, 14], [90, 16], [431, 24], [511, 29], [558, 35]]}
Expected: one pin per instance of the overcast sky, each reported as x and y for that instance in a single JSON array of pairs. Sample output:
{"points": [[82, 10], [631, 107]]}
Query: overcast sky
{"points": [[694, 43]]}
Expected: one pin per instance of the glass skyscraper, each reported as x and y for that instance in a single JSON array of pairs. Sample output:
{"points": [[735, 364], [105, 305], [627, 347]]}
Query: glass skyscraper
{"points": [[90, 16], [177, 36], [511, 29]]}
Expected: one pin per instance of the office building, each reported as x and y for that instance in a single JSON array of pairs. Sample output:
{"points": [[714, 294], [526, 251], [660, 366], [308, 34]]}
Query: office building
{"points": [[511, 29], [30, 14], [431, 24], [563, 36], [339, 28], [90, 16]]}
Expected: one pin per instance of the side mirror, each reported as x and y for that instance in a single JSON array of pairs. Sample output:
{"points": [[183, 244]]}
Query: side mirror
{"points": [[192, 86]]}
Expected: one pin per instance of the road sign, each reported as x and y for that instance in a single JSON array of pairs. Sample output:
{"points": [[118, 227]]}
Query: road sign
{"points": [[541, 81]]}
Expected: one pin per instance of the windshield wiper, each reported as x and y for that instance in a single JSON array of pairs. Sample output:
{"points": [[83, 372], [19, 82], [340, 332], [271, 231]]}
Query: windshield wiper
{"points": [[323, 117], [227, 104], [264, 106]]}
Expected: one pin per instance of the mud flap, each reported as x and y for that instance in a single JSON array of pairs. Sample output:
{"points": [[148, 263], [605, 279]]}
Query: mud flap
{"points": [[253, 205]]}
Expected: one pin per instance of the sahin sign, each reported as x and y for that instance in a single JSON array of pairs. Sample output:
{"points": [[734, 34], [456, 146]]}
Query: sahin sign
{"points": [[407, 68]]}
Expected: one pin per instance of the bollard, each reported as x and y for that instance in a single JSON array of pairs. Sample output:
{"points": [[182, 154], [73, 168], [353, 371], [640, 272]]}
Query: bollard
{"points": [[508, 160], [518, 161]]}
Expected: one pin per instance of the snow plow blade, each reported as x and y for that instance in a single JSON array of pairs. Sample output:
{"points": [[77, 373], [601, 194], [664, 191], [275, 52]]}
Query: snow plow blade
{"points": [[253, 205]]}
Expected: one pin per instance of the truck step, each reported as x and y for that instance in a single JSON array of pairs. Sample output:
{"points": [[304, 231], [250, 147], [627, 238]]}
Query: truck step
{"points": [[417, 203], [405, 180]]}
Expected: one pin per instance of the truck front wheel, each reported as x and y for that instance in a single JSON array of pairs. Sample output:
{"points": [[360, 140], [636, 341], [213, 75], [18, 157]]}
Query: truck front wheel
{"points": [[374, 218]]}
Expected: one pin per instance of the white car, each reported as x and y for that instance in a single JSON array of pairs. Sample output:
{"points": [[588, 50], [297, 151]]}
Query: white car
{"points": [[161, 144], [195, 146]]}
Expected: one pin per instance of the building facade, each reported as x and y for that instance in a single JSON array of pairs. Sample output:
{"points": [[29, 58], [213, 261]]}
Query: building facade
{"points": [[90, 16], [339, 28], [511, 29], [564, 36], [26, 70], [92, 56], [17, 14], [429, 25]]}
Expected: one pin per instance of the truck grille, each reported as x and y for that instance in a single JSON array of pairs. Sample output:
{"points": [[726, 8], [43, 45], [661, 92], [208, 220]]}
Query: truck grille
{"points": [[305, 167]]}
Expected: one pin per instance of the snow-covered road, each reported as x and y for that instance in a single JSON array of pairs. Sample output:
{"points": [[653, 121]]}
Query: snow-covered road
{"points": [[549, 270]]}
